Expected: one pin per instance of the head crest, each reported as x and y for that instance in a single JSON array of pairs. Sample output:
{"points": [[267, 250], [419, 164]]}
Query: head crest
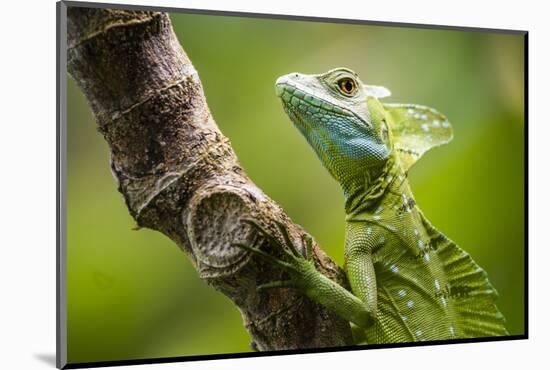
{"points": [[415, 130]]}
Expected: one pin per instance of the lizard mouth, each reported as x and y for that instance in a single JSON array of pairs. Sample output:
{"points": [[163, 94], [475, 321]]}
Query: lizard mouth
{"points": [[296, 117], [298, 100]]}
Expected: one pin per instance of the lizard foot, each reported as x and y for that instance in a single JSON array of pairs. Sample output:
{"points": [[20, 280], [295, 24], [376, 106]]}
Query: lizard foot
{"points": [[296, 263]]}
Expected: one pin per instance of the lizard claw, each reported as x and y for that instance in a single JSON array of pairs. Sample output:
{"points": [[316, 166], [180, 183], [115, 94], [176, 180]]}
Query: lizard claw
{"points": [[267, 256], [308, 242], [289, 248], [276, 284], [298, 259]]}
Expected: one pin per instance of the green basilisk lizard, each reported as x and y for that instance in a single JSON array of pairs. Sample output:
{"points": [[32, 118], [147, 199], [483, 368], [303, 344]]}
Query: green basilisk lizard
{"points": [[408, 281]]}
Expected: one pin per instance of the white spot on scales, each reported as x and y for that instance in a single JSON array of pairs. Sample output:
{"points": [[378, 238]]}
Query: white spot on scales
{"points": [[394, 269], [402, 293], [410, 304]]}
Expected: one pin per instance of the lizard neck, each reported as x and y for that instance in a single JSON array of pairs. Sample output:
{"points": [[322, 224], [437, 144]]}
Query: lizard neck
{"points": [[363, 197]]}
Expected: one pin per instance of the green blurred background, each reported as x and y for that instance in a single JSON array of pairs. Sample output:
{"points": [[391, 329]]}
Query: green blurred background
{"points": [[133, 294]]}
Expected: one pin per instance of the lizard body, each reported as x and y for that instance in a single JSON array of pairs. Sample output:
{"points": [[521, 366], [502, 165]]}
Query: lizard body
{"points": [[408, 281]]}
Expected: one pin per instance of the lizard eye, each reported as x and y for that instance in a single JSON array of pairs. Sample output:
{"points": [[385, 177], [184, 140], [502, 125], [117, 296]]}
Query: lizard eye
{"points": [[347, 86]]}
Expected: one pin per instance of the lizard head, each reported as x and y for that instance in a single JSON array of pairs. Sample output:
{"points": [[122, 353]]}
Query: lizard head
{"points": [[342, 120]]}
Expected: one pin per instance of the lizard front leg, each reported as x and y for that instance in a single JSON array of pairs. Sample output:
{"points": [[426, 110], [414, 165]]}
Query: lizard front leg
{"points": [[360, 270], [359, 267], [308, 280]]}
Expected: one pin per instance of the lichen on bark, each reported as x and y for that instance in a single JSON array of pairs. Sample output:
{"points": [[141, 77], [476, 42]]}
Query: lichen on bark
{"points": [[179, 175]]}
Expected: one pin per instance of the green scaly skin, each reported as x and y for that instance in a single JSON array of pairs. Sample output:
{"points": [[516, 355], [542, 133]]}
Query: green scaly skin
{"points": [[408, 281]]}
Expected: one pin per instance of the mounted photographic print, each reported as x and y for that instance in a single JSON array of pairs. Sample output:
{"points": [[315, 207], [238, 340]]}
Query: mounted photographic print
{"points": [[236, 185]]}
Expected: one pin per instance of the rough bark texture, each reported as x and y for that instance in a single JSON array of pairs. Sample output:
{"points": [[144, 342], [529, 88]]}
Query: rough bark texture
{"points": [[180, 176]]}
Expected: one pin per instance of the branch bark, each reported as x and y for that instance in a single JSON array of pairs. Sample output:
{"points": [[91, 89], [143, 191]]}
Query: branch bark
{"points": [[179, 175]]}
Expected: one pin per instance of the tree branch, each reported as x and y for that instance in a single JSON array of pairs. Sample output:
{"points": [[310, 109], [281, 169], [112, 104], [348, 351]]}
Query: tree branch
{"points": [[179, 175]]}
